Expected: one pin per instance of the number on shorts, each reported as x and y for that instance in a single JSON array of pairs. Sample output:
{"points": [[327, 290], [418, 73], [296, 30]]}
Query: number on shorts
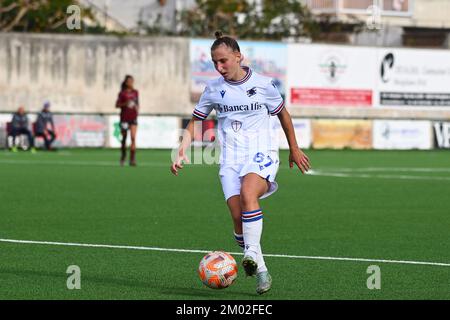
{"points": [[259, 157], [268, 163]]}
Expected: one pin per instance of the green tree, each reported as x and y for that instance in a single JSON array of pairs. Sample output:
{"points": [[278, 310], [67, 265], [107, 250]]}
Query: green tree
{"points": [[275, 19], [40, 16], [211, 15]]}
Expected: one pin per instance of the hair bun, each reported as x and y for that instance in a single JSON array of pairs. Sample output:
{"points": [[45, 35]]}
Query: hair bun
{"points": [[218, 34]]}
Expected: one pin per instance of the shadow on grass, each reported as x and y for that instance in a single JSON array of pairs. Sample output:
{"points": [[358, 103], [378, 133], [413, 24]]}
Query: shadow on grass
{"points": [[162, 292]]}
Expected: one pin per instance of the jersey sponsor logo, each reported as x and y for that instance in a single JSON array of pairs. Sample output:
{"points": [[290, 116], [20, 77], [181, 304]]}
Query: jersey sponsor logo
{"points": [[243, 107], [222, 93], [251, 92], [236, 125]]}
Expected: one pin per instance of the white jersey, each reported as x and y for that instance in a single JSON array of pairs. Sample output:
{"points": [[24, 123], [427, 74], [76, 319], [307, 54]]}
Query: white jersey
{"points": [[243, 111]]}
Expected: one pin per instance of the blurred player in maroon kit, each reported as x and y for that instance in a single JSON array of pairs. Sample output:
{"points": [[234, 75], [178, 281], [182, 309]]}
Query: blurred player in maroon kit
{"points": [[128, 102]]}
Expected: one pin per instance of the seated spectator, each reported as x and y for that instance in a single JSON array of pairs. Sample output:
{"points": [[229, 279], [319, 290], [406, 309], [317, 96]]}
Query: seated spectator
{"points": [[19, 125], [45, 127]]}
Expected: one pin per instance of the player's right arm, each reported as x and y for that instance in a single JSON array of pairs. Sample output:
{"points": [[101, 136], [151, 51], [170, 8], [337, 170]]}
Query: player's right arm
{"points": [[185, 143], [120, 103], [15, 121], [200, 113]]}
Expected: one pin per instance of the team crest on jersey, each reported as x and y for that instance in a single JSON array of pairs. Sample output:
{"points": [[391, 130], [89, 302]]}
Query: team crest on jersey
{"points": [[251, 92], [222, 93], [236, 125]]}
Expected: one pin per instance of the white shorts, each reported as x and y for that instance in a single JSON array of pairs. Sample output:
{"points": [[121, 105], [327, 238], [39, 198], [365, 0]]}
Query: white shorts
{"points": [[265, 166]]}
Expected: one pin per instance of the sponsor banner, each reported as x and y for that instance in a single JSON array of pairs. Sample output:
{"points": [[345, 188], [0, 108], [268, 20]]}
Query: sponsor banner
{"points": [[331, 97], [416, 77], [442, 134], [327, 75], [71, 130], [402, 134], [302, 129], [5, 118], [414, 99], [339, 134], [79, 131], [152, 132], [266, 58]]}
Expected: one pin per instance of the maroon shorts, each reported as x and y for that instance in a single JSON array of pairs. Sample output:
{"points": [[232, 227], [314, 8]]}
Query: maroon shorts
{"points": [[125, 125]]}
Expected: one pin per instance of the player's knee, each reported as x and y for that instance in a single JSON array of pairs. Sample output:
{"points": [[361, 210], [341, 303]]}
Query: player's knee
{"points": [[248, 198]]}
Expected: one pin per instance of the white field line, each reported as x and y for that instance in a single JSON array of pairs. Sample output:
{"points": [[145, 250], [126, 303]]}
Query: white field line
{"points": [[69, 244], [158, 164], [395, 169], [335, 172]]}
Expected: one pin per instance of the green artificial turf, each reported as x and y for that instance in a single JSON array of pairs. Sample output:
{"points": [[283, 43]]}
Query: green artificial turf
{"points": [[392, 205]]}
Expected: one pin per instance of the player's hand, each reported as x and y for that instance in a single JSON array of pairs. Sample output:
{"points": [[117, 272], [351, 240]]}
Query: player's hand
{"points": [[300, 159], [178, 164]]}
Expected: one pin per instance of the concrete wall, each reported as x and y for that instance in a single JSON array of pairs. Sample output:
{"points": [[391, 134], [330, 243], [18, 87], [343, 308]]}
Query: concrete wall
{"points": [[82, 74], [388, 36]]}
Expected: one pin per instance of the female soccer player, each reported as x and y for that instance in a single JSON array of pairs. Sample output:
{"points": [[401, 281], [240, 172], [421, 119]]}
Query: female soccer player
{"points": [[244, 102], [128, 102]]}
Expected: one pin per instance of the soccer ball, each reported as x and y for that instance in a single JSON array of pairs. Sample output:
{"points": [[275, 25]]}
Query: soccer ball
{"points": [[218, 270]]}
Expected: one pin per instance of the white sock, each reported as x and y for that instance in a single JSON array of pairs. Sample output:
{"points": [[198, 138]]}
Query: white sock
{"points": [[260, 260], [252, 225]]}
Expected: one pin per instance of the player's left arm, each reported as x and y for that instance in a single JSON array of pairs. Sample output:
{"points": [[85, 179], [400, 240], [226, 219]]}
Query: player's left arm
{"points": [[296, 155], [52, 123], [137, 101], [276, 107]]}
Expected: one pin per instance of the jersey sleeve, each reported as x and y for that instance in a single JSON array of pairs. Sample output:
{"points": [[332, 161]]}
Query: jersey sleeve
{"points": [[120, 99], [204, 106], [274, 101], [137, 98]]}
